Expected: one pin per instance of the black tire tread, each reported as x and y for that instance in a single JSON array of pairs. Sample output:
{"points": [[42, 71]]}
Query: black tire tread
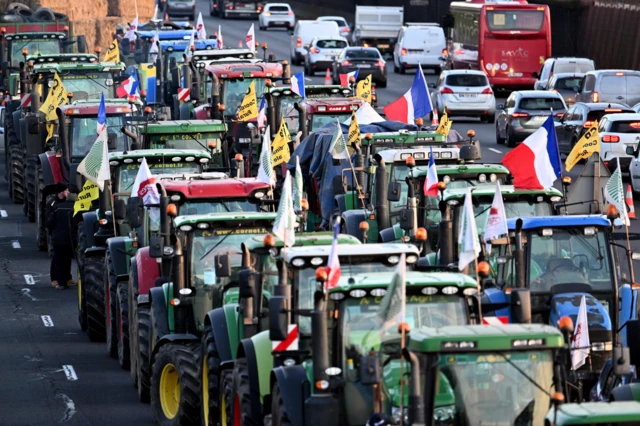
{"points": [[94, 292], [279, 416], [122, 307], [143, 354], [82, 245], [42, 236], [111, 333], [17, 171], [242, 391], [133, 330]]}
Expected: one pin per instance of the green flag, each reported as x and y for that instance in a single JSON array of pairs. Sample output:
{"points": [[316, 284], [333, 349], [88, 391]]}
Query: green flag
{"points": [[95, 166], [338, 145]]}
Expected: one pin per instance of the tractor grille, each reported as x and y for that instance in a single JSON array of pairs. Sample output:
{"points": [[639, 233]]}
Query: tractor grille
{"points": [[601, 348]]}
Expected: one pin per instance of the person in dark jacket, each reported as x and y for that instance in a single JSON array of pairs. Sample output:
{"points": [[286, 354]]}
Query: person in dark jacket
{"points": [[59, 226]]}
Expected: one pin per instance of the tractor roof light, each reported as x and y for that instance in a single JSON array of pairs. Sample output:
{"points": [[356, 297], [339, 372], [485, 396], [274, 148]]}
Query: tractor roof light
{"points": [[172, 210], [421, 234], [238, 157], [364, 226], [442, 186], [410, 161], [484, 269], [612, 212], [321, 274], [471, 133], [304, 205], [565, 324], [269, 240]]}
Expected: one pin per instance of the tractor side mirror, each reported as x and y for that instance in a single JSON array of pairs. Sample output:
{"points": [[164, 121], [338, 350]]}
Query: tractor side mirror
{"points": [[135, 212], [394, 191], [112, 141], [630, 150], [370, 369], [278, 318], [620, 361], [156, 247], [521, 306], [469, 152], [119, 209], [407, 219], [223, 265], [247, 283], [535, 74]]}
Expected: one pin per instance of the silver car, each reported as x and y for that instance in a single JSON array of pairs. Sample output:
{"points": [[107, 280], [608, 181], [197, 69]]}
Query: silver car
{"points": [[464, 93], [181, 8], [322, 52], [567, 84], [619, 86]]}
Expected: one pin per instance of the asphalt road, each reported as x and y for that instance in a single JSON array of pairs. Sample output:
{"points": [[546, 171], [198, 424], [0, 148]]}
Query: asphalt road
{"points": [[51, 373]]}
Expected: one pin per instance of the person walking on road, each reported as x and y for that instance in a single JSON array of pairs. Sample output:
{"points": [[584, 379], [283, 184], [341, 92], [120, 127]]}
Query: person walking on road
{"points": [[59, 226]]}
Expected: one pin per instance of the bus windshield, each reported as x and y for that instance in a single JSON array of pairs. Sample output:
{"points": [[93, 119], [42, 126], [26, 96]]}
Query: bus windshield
{"points": [[515, 20]]}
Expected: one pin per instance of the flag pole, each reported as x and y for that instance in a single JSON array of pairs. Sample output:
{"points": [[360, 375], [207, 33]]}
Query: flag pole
{"points": [[626, 226], [355, 180]]}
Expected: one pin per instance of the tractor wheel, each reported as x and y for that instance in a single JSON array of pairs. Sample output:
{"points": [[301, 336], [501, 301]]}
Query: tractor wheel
{"points": [[132, 301], [242, 395], [143, 355], [42, 236], [122, 308], [82, 299], [94, 295], [110, 306], [279, 416], [17, 172], [217, 387], [174, 386], [31, 180]]}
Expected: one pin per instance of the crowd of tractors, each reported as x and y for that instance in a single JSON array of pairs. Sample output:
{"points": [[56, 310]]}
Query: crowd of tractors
{"points": [[218, 322]]}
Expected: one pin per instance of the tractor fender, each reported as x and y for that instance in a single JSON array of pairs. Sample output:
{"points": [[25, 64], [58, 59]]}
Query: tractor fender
{"points": [[51, 169], [174, 338], [146, 271], [247, 351], [292, 381], [120, 257], [217, 319], [495, 296], [628, 311], [133, 268], [158, 303], [351, 220], [90, 223], [95, 252], [257, 350]]}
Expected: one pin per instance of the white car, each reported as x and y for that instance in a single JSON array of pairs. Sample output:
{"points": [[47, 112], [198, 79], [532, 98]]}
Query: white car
{"points": [[276, 15], [419, 44], [343, 25], [323, 51], [464, 93], [618, 132], [304, 32]]}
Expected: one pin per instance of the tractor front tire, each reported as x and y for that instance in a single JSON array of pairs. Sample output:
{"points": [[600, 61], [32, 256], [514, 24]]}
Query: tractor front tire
{"points": [[132, 299], [242, 395], [110, 306], [279, 416], [217, 387], [94, 295], [143, 355], [122, 308]]}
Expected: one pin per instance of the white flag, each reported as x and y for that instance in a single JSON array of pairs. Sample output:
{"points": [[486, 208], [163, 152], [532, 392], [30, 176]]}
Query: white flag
{"points": [[284, 225], [614, 194], [338, 148], [133, 28], [219, 37], [145, 187], [95, 166], [251, 39], [497, 219], [202, 33], [188, 52], [468, 243], [265, 166], [153, 50], [297, 187], [580, 338]]}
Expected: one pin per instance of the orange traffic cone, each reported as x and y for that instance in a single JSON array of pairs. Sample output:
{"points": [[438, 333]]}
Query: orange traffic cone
{"points": [[166, 17], [239, 44], [629, 201], [435, 121], [327, 78]]}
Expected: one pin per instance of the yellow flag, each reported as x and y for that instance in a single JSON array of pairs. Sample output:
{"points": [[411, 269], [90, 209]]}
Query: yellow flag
{"points": [[57, 97], [363, 89], [353, 136], [445, 125], [280, 145], [249, 107], [87, 195], [113, 52], [587, 145]]}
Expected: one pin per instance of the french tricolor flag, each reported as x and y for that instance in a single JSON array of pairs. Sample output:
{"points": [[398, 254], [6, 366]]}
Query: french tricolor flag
{"points": [[129, 87], [297, 84], [344, 78], [262, 113], [414, 104], [333, 266], [535, 163], [102, 116], [431, 182]]}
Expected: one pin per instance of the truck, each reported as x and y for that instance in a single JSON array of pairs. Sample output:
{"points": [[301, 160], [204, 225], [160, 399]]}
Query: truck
{"points": [[231, 8], [377, 26]]}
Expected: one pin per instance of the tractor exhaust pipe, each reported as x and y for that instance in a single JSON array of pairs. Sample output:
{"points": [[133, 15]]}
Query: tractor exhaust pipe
{"points": [[446, 236], [215, 97], [382, 208], [302, 114], [519, 255]]}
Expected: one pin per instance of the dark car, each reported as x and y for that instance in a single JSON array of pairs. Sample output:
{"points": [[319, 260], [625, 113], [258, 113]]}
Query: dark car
{"points": [[367, 60], [567, 84], [524, 112], [579, 118]]}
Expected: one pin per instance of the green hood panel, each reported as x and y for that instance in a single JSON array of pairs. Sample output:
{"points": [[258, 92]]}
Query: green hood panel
{"points": [[264, 361], [235, 333]]}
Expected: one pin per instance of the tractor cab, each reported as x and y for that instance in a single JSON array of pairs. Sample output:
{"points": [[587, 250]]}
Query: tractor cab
{"points": [[313, 114]]}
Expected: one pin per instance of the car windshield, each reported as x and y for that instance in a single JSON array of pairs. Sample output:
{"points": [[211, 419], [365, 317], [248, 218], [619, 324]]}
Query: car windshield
{"points": [[320, 120], [362, 54], [219, 206], [89, 85], [234, 91], [569, 256], [34, 46], [331, 44], [542, 104], [197, 141], [466, 80], [127, 172], [83, 134], [568, 83], [500, 389], [626, 126], [515, 20], [579, 67]]}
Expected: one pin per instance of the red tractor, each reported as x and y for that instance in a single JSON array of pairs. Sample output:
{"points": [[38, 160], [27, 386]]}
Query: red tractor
{"points": [[312, 114]]}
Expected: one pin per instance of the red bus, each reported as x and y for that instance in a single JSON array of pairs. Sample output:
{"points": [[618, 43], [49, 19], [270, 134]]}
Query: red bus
{"points": [[508, 40]]}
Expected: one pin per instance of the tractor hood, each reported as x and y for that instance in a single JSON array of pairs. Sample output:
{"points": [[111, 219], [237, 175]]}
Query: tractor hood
{"points": [[568, 304]]}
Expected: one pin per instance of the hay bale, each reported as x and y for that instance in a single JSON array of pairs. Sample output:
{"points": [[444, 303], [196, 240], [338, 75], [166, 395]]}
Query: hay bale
{"points": [[106, 31], [126, 9], [88, 29]]}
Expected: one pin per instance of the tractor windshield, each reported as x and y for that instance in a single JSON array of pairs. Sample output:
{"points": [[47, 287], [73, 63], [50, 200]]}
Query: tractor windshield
{"points": [[83, 134], [500, 388], [206, 206], [127, 172], [234, 90], [563, 256], [35, 46], [89, 85], [320, 120], [197, 141]]}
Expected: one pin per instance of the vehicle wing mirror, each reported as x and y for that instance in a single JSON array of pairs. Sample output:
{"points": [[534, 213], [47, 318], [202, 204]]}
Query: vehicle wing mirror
{"points": [[470, 152], [119, 209], [621, 360], [247, 283], [407, 219], [156, 247], [278, 318], [576, 89], [223, 265], [630, 150], [500, 106], [135, 211], [290, 31], [112, 143], [370, 370], [520, 306], [394, 191]]}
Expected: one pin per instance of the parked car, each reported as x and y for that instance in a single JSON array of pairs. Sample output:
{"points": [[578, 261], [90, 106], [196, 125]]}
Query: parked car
{"points": [[621, 86], [524, 112], [323, 51], [367, 60], [276, 15], [618, 133], [304, 32], [561, 65], [343, 25], [181, 8], [464, 93], [581, 117], [419, 44], [567, 84]]}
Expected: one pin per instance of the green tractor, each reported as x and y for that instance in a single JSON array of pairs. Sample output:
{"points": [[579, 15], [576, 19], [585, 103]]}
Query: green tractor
{"points": [[595, 413]]}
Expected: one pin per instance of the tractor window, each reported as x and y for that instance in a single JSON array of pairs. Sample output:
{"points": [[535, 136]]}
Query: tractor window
{"points": [[197, 141], [83, 134], [321, 120], [233, 92], [127, 172], [34, 46], [89, 85], [219, 206], [513, 209]]}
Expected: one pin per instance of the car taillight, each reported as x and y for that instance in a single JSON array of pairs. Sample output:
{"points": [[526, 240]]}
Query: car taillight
{"points": [[588, 124], [611, 138], [612, 110], [290, 13], [314, 50], [560, 114], [519, 115], [380, 64], [299, 42], [346, 30], [595, 97], [230, 7], [267, 14], [346, 63], [487, 91], [634, 125], [446, 91], [403, 52]]}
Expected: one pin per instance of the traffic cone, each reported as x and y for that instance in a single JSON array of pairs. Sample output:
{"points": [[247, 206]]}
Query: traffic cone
{"points": [[327, 78], [166, 17], [629, 201], [435, 121], [239, 44]]}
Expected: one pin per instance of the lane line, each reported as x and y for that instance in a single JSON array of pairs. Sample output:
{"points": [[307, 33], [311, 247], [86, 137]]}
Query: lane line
{"points": [[495, 150], [70, 409], [28, 278], [3, 213], [70, 372], [46, 319], [15, 244]]}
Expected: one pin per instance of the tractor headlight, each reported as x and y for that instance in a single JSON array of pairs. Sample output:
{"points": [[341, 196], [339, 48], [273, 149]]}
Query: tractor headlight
{"points": [[444, 414]]}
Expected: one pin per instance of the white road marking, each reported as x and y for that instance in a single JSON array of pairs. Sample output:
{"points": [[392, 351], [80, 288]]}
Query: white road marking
{"points": [[28, 278], [70, 372], [307, 79], [27, 292], [46, 319], [70, 409], [3, 213], [70, 333], [15, 244], [495, 150]]}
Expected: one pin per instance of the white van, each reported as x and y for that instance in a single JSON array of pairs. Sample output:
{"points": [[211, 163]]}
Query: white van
{"points": [[304, 32], [419, 43]]}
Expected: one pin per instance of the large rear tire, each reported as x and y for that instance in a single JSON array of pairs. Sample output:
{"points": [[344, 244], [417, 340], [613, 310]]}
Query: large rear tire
{"points": [[82, 298], [94, 295], [42, 236], [132, 300], [279, 416], [242, 395], [174, 396], [17, 172], [216, 387], [110, 306], [122, 307], [31, 180], [143, 362]]}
